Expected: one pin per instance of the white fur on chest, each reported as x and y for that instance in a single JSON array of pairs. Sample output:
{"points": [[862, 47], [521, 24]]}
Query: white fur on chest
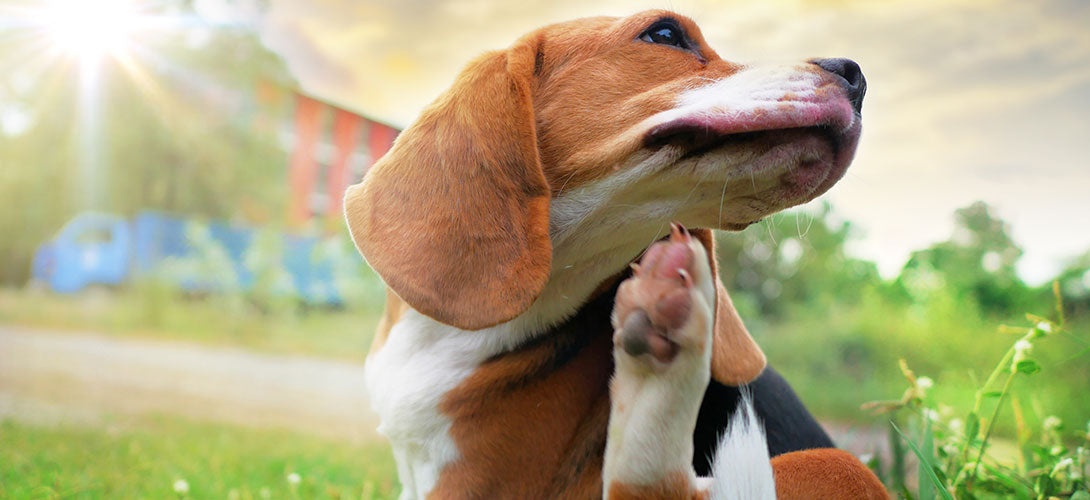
{"points": [[423, 360], [407, 378]]}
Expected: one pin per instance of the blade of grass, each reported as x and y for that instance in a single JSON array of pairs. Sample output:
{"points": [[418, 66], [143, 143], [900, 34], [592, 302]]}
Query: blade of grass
{"points": [[897, 469], [925, 462], [926, 488]]}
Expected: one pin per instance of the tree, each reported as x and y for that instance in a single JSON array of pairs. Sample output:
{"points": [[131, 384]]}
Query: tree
{"points": [[977, 263], [791, 260]]}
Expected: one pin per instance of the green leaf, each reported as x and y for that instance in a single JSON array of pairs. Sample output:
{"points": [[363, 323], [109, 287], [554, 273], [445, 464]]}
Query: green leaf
{"points": [[1044, 485], [1081, 495], [925, 464], [1011, 480], [992, 394], [1027, 366], [897, 468], [972, 426]]}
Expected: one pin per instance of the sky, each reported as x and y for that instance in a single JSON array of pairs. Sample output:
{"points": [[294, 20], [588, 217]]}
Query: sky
{"points": [[967, 100]]}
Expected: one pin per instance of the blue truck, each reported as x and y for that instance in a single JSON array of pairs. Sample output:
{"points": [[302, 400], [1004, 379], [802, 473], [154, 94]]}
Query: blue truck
{"points": [[99, 249]]}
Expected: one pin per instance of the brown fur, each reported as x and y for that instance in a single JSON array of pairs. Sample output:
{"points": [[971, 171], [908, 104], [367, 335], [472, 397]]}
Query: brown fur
{"points": [[825, 474], [537, 414], [433, 220], [677, 486], [736, 358]]}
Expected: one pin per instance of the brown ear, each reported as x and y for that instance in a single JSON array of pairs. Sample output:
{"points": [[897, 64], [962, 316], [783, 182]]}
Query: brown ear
{"points": [[455, 217], [736, 358]]}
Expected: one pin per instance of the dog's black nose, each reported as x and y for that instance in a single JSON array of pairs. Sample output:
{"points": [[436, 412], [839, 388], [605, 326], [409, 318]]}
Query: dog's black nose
{"points": [[847, 69]]}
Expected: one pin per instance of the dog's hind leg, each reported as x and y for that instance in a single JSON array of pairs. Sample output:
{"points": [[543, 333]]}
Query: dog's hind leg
{"points": [[662, 320]]}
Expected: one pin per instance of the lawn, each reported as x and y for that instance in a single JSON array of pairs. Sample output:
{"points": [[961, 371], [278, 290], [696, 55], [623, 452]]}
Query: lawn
{"points": [[149, 457]]}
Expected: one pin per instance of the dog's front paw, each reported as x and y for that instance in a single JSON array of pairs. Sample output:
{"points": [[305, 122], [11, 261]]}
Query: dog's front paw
{"points": [[665, 308]]}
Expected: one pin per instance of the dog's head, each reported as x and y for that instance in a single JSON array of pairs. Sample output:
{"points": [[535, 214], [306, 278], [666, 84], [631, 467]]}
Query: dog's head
{"points": [[598, 129]]}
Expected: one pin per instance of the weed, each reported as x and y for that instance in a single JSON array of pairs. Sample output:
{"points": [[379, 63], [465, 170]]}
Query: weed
{"points": [[959, 458]]}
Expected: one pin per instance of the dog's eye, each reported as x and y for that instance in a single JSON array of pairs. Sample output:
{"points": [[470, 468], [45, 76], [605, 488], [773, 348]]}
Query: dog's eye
{"points": [[665, 33]]}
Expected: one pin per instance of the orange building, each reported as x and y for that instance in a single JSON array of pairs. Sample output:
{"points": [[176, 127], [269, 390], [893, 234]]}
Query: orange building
{"points": [[330, 147]]}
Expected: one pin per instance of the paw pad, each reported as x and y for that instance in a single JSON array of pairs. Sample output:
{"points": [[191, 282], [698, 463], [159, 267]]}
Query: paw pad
{"points": [[657, 301]]}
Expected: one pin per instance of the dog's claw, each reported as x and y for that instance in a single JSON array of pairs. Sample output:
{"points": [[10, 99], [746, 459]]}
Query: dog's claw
{"points": [[686, 278], [678, 233]]}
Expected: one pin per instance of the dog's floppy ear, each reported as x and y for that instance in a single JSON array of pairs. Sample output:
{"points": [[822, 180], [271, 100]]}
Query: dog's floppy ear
{"points": [[736, 358], [455, 217]]}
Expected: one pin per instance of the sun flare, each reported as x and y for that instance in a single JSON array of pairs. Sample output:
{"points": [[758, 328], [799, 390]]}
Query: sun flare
{"points": [[89, 31]]}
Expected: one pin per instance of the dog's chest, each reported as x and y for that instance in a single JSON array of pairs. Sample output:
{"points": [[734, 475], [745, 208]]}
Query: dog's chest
{"points": [[421, 362], [447, 396]]}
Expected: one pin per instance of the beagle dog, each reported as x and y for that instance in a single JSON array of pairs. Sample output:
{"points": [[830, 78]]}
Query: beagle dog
{"points": [[505, 222]]}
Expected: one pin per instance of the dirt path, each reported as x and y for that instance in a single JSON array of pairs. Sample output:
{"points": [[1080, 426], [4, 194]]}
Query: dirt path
{"points": [[47, 375]]}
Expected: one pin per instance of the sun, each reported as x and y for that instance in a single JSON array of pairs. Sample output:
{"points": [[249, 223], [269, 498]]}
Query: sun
{"points": [[89, 30]]}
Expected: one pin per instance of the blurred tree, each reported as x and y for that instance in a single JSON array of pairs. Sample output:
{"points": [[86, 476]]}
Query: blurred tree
{"points": [[1075, 286], [793, 259], [977, 263]]}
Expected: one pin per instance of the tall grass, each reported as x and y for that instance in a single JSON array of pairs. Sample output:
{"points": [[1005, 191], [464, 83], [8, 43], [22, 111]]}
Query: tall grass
{"points": [[958, 456]]}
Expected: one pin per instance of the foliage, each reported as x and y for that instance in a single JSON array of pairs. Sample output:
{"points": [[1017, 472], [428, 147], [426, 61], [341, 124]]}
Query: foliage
{"points": [[270, 289], [835, 323], [977, 263], [954, 454], [176, 458], [791, 259]]}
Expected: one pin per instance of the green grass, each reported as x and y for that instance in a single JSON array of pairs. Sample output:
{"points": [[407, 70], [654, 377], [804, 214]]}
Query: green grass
{"points": [[144, 459], [153, 312], [838, 358]]}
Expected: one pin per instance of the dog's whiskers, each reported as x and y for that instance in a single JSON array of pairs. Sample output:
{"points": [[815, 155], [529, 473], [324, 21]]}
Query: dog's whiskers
{"points": [[802, 234]]}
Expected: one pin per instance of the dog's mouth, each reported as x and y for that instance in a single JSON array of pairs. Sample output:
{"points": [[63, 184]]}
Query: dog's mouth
{"points": [[800, 155]]}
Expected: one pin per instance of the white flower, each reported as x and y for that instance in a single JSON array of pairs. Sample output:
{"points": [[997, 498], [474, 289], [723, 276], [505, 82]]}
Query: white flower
{"points": [[1063, 464], [1022, 347], [1021, 353], [924, 383], [181, 487], [930, 414], [293, 479], [1045, 326], [957, 426], [1052, 423]]}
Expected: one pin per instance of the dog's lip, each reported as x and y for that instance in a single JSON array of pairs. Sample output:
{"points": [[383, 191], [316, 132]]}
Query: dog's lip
{"points": [[834, 121], [704, 131], [836, 118]]}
